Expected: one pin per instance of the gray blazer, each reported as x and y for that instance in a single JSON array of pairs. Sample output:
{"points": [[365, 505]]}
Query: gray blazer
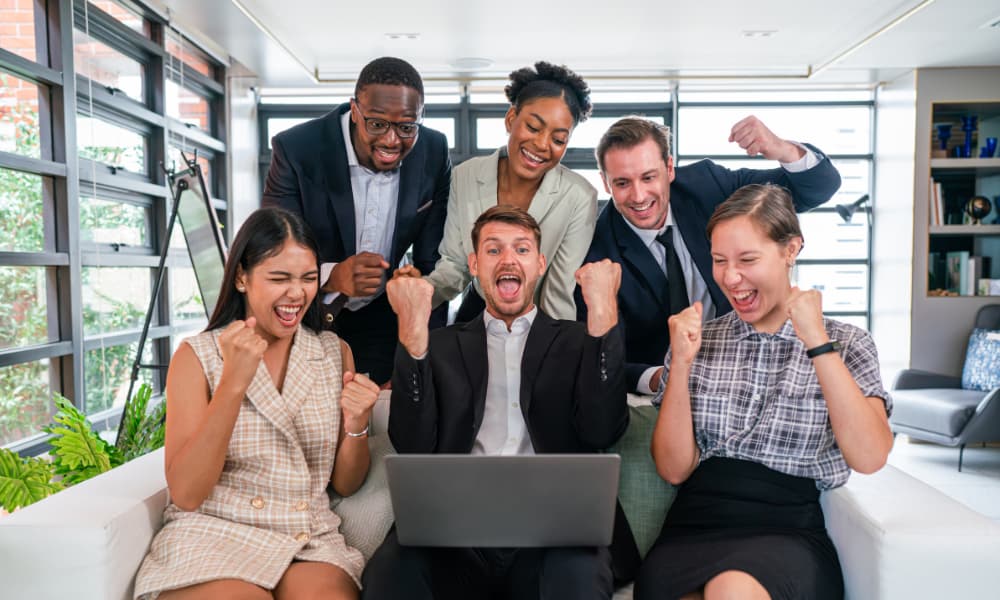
{"points": [[565, 207]]}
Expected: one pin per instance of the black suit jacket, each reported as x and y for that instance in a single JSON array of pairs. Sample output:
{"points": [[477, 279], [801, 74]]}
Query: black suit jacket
{"points": [[309, 176], [696, 191], [573, 398]]}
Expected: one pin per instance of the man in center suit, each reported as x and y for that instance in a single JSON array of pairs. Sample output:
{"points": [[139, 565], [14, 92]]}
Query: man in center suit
{"points": [[370, 181], [655, 225], [512, 381]]}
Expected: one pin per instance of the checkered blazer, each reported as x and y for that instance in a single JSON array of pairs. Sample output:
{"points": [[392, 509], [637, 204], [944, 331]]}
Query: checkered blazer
{"points": [[269, 506]]}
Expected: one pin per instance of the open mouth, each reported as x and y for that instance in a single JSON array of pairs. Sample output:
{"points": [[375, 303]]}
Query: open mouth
{"points": [[643, 209], [385, 155], [288, 314], [744, 301], [508, 286], [532, 160]]}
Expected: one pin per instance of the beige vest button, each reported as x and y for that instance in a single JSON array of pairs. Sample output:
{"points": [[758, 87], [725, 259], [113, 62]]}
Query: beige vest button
{"points": [[302, 537], [257, 502], [301, 505]]}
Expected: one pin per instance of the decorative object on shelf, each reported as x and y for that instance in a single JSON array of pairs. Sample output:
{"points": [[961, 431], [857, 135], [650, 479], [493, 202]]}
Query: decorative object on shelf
{"points": [[968, 126], [978, 207], [989, 149], [944, 133]]}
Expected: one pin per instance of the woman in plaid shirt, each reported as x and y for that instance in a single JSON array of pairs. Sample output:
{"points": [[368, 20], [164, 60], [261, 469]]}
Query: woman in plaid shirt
{"points": [[763, 408]]}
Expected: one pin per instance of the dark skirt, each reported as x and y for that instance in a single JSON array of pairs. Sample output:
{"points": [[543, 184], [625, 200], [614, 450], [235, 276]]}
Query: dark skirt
{"points": [[735, 515]]}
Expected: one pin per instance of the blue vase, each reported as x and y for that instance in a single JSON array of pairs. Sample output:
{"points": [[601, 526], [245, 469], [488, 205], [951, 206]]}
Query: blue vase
{"points": [[944, 132], [968, 126]]}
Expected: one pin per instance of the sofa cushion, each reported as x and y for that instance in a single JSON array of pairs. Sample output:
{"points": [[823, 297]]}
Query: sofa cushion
{"points": [[940, 410], [643, 494], [982, 361], [366, 515]]}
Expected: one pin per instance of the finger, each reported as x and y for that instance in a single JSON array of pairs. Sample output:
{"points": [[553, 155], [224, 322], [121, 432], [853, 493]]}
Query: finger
{"points": [[251, 323], [698, 308], [366, 382], [738, 129], [348, 377]]}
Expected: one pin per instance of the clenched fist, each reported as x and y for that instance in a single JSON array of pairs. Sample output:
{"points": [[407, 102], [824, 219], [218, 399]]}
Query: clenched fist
{"points": [[599, 282], [754, 137], [410, 298], [685, 335], [356, 400], [357, 276], [805, 309], [242, 350]]}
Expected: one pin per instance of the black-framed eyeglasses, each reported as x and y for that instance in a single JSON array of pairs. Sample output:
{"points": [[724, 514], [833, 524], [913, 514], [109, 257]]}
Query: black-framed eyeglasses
{"points": [[378, 126]]}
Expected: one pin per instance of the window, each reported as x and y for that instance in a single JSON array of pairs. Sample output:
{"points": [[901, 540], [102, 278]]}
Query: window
{"points": [[20, 128], [187, 107], [23, 318], [21, 212], [25, 400], [108, 67], [111, 144], [114, 222], [18, 31]]}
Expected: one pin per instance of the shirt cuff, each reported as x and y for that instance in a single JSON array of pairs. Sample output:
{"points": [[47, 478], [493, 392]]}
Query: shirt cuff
{"points": [[644, 385], [805, 163], [325, 270]]}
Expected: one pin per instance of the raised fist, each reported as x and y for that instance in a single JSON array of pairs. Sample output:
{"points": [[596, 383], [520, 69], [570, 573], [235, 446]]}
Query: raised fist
{"points": [[805, 309], [356, 400], [242, 350], [599, 283], [685, 334], [357, 276], [755, 138], [410, 298]]}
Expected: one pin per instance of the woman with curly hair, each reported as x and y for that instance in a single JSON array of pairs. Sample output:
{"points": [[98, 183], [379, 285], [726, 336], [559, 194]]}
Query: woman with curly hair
{"points": [[546, 103]]}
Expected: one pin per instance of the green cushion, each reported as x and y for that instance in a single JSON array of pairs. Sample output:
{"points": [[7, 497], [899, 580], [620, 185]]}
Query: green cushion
{"points": [[644, 496]]}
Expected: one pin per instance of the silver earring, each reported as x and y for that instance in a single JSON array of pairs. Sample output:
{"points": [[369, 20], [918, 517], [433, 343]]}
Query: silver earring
{"points": [[240, 289]]}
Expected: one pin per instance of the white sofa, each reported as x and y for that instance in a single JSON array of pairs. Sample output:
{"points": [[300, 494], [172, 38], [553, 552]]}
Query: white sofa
{"points": [[897, 537]]}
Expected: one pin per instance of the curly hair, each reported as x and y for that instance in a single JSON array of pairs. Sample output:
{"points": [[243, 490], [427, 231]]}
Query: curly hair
{"points": [[390, 71], [547, 80]]}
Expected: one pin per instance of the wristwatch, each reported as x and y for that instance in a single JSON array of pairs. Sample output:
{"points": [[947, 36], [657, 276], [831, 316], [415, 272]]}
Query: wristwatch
{"points": [[831, 346]]}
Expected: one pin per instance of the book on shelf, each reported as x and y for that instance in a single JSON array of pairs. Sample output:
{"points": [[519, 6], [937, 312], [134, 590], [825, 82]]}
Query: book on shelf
{"points": [[936, 213], [978, 266], [988, 287], [957, 269]]}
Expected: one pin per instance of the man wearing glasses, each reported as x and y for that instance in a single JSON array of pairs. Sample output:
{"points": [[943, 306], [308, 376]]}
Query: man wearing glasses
{"points": [[371, 181]]}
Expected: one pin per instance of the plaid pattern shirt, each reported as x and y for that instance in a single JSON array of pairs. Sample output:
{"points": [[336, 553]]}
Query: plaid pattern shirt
{"points": [[755, 396]]}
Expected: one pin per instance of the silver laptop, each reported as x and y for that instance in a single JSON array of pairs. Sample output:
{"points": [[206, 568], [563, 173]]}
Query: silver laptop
{"points": [[544, 500]]}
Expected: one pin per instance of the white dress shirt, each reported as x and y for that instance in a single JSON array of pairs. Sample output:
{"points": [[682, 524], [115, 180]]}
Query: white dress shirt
{"points": [[503, 431], [376, 194], [696, 287]]}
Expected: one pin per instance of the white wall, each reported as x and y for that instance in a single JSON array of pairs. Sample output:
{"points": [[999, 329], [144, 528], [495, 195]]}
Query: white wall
{"points": [[243, 145]]}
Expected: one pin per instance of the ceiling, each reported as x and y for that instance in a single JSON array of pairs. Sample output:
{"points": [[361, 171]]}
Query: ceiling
{"points": [[291, 43]]}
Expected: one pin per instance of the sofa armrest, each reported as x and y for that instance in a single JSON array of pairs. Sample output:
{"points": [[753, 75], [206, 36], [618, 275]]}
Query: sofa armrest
{"points": [[899, 538], [915, 379], [95, 534]]}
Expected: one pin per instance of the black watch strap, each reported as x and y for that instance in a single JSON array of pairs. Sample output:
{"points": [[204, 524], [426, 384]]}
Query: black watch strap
{"points": [[832, 346]]}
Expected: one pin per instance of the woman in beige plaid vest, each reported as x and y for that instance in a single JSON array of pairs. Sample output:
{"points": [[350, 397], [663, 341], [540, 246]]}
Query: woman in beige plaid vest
{"points": [[263, 412]]}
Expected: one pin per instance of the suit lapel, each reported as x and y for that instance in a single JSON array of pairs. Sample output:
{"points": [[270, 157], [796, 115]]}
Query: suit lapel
{"points": [[692, 227], [338, 180], [638, 255], [543, 333], [547, 195], [472, 348], [410, 179]]}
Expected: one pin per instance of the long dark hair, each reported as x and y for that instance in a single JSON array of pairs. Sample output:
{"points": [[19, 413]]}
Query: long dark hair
{"points": [[261, 237]]}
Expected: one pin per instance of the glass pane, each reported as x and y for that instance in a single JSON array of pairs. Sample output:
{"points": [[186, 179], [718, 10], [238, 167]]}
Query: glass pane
{"points": [[187, 106], [594, 177], [602, 97], [123, 15], [828, 237], [22, 307], [21, 212], [588, 133], [25, 400], [111, 144], [177, 161], [185, 297], [445, 125], [107, 371], [17, 29], [789, 95], [276, 125], [182, 49], [491, 133], [844, 287], [107, 66], [19, 129], [114, 298], [111, 222], [704, 131]]}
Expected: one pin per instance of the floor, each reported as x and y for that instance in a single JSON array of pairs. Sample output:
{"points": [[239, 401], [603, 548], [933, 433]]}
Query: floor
{"points": [[976, 486]]}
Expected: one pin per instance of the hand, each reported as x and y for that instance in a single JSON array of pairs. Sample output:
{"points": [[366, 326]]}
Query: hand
{"points": [[805, 309], [685, 335], [654, 381], [356, 400], [407, 271], [599, 282], [358, 275], [410, 298], [754, 137], [242, 350]]}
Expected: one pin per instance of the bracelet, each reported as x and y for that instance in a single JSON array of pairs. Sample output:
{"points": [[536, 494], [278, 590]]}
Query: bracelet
{"points": [[362, 433], [832, 346]]}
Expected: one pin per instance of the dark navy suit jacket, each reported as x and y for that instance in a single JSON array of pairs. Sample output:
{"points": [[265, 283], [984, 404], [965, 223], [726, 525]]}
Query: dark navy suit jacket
{"points": [[309, 175], [696, 191]]}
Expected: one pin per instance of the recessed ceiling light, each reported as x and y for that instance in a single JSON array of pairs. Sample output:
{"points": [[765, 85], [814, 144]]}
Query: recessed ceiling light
{"points": [[758, 33], [471, 63], [993, 23], [403, 36]]}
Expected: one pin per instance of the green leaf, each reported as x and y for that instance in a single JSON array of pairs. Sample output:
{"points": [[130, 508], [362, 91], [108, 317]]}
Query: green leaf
{"points": [[24, 481], [78, 453], [142, 431]]}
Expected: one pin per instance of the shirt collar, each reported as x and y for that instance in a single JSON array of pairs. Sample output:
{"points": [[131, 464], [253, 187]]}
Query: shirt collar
{"points": [[742, 330], [648, 236], [352, 156], [520, 324]]}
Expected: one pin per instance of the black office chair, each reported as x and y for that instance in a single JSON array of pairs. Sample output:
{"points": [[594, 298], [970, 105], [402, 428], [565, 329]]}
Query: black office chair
{"points": [[934, 407]]}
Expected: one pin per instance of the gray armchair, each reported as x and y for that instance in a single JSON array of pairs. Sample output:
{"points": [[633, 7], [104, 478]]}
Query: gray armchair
{"points": [[933, 407]]}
